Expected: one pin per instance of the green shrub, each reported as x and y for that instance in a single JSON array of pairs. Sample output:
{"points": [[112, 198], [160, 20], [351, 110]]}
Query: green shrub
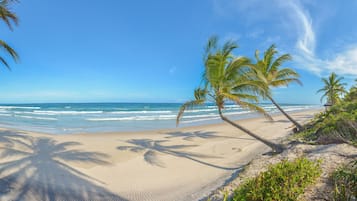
{"points": [[345, 180], [284, 181], [338, 125]]}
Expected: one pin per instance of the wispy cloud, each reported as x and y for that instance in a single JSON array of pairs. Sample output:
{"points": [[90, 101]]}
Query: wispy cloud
{"points": [[342, 62], [306, 39], [300, 24]]}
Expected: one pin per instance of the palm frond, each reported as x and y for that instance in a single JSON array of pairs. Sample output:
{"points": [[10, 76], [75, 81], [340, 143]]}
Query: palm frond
{"points": [[269, 56], [211, 46], [9, 50], [185, 106], [279, 61], [285, 82], [6, 14], [228, 47], [200, 98], [333, 88], [3, 61], [247, 105], [256, 55], [234, 67]]}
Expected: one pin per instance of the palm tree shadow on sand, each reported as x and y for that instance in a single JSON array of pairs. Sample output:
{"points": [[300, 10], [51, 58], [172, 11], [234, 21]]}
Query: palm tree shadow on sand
{"points": [[152, 149], [39, 171], [189, 136]]}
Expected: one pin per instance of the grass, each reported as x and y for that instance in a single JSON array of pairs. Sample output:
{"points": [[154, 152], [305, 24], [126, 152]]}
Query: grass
{"points": [[345, 183], [284, 181]]}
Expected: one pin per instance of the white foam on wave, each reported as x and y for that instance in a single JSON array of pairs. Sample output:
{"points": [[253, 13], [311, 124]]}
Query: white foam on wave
{"points": [[19, 107], [200, 110], [142, 112], [226, 106], [200, 117], [39, 118], [72, 112], [237, 113], [134, 118]]}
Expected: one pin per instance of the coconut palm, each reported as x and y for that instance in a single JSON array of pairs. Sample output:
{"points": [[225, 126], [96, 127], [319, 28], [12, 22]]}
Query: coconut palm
{"points": [[352, 94], [333, 89], [8, 17], [269, 71], [225, 80]]}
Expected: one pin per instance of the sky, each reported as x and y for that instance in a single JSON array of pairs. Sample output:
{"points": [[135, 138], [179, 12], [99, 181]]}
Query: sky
{"points": [[151, 51]]}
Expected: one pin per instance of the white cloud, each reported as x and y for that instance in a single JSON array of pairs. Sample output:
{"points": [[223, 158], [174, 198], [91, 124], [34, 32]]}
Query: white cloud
{"points": [[306, 41], [342, 60]]}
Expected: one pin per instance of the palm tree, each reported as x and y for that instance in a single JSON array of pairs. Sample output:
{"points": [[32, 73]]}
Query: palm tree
{"points": [[269, 71], [333, 89], [8, 17], [352, 94], [224, 79]]}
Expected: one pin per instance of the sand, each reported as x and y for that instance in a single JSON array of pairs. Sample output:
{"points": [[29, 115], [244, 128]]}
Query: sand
{"points": [[179, 164]]}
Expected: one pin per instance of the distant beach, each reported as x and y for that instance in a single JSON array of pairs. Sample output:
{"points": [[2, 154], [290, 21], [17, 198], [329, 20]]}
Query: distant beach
{"points": [[69, 118]]}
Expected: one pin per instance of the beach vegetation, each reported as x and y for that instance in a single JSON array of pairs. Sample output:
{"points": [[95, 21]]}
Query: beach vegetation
{"points": [[345, 182], [226, 79], [338, 124], [10, 18], [333, 89], [284, 181], [352, 94], [270, 72]]}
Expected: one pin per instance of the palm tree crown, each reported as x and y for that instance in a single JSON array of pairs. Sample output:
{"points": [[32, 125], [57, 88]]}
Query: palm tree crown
{"points": [[268, 70], [8, 17], [225, 79], [333, 89]]}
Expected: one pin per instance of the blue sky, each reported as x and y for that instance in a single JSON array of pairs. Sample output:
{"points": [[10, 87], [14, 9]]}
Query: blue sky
{"points": [[151, 51]]}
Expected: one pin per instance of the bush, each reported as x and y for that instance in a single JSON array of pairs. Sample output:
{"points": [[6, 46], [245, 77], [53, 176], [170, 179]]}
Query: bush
{"points": [[345, 180], [284, 181], [338, 125]]}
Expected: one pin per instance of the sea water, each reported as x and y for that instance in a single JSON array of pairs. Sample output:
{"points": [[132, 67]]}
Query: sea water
{"points": [[64, 118]]}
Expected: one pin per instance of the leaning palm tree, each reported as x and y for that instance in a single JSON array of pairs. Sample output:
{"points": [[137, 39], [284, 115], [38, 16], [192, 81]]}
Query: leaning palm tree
{"points": [[8, 17], [269, 71], [225, 80], [333, 89]]}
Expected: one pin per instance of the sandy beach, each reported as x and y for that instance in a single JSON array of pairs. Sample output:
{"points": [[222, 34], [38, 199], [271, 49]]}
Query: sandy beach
{"points": [[180, 164]]}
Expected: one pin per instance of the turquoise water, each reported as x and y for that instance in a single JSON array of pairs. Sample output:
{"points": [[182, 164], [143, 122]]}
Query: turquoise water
{"points": [[63, 118]]}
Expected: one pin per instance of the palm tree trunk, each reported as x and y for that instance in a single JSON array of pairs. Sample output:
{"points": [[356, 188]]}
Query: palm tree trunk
{"points": [[298, 126], [278, 148]]}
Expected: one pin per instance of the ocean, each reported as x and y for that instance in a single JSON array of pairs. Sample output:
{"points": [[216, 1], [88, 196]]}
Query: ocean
{"points": [[67, 118]]}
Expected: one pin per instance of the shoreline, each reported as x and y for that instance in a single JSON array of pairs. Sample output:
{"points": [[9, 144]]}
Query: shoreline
{"points": [[62, 119], [167, 164], [160, 130]]}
